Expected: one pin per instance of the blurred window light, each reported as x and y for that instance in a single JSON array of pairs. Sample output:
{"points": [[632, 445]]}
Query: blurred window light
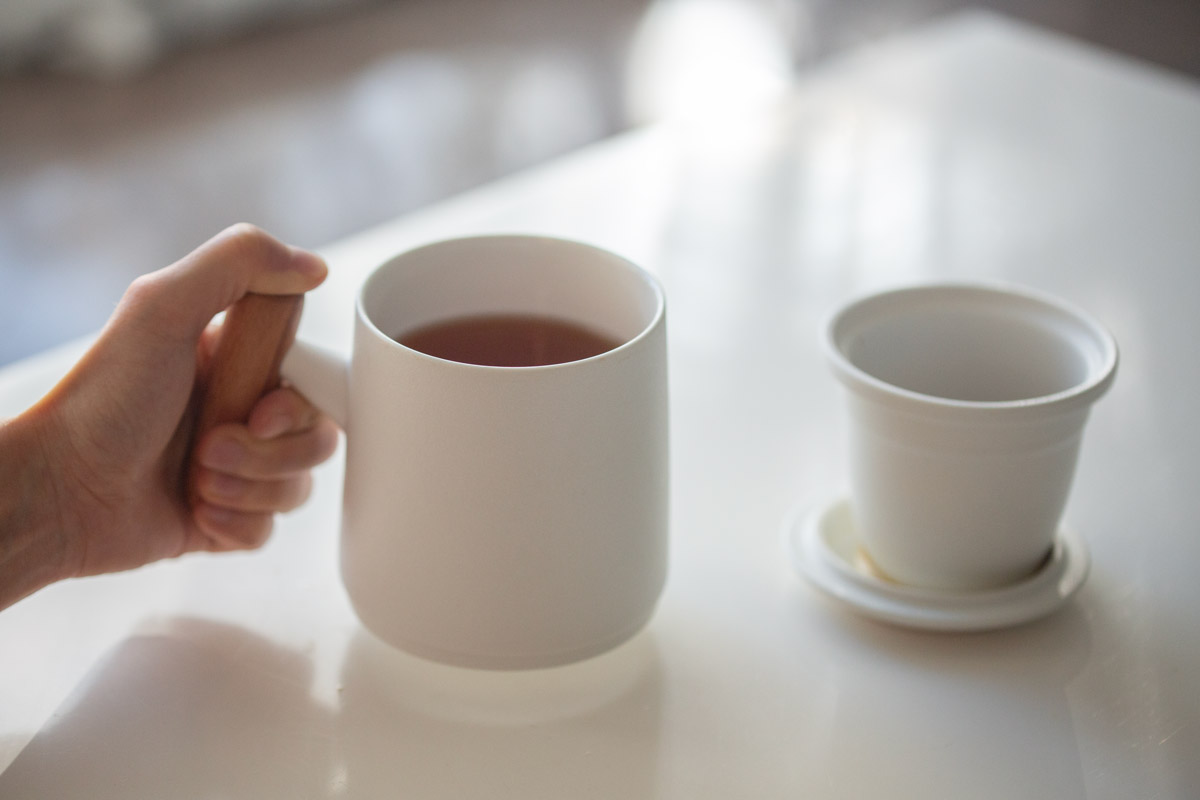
{"points": [[698, 58], [548, 106]]}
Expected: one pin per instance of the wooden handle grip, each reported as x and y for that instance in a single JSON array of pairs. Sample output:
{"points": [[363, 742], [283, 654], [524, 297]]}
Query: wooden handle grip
{"points": [[256, 335]]}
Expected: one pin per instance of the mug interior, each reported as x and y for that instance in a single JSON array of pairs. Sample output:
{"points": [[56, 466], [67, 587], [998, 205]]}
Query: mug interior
{"points": [[972, 344], [525, 275]]}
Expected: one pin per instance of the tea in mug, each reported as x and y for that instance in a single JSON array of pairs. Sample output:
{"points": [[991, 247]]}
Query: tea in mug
{"points": [[507, 340]]}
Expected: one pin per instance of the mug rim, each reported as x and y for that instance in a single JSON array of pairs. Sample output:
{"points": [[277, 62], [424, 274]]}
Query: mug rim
{"points": [[647, 278], [1079, 395]]}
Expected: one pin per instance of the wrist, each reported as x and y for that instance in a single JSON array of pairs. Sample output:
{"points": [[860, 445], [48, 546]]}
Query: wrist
{"points": [[35, 550]]}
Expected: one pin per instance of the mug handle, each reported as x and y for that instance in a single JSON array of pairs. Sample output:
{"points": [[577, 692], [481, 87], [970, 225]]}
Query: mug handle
{"points": [[257, 333]]}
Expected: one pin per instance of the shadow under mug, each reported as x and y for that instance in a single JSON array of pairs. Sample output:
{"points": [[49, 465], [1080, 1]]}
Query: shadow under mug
{"points": [[967, 405], [501, 517]]}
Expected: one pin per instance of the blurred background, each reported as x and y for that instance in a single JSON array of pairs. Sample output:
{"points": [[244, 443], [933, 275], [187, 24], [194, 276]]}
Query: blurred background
{"points": [[132, 130]]}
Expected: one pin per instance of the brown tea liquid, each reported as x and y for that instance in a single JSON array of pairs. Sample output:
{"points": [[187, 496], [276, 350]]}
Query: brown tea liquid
{"points": [[507, 340]]}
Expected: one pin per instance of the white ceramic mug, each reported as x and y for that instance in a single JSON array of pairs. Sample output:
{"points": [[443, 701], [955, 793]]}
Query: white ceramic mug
{"points": [[501, 517], [967, 407]]}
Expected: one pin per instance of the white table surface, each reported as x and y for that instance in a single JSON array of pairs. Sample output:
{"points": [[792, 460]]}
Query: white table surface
{"points": [[972, 149]]}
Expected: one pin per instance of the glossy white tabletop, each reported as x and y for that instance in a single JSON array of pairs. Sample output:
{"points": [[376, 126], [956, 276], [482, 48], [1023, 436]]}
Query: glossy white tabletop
{"points": [[972, 149]]}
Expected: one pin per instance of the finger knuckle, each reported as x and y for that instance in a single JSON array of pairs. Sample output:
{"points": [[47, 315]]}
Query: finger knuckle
{"points": [[144, 295], [251, 242], [245, 233]]}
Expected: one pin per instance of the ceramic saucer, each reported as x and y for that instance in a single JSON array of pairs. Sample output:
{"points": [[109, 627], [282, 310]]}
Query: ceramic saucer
{"points": [[823, 547]]}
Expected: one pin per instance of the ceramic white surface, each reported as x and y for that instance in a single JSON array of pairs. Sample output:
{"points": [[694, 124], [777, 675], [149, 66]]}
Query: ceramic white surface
{"points": [[503, 517], [967, 404], [824, 547]]}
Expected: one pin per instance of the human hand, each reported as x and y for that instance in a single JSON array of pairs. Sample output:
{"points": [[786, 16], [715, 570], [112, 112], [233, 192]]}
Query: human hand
{"points": [[106, 452]]}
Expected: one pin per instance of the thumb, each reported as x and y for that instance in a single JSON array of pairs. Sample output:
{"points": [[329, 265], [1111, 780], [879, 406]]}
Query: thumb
{"points": [[238, 260]]}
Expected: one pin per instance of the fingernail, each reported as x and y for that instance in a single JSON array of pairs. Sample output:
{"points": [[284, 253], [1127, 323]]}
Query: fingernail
{"points": [[223, 454], [224, 486], [274, 425], [216, 515]]}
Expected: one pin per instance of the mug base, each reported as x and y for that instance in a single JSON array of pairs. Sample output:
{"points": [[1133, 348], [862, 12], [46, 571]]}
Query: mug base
{"points": [[824, 548], [510, 661]]}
